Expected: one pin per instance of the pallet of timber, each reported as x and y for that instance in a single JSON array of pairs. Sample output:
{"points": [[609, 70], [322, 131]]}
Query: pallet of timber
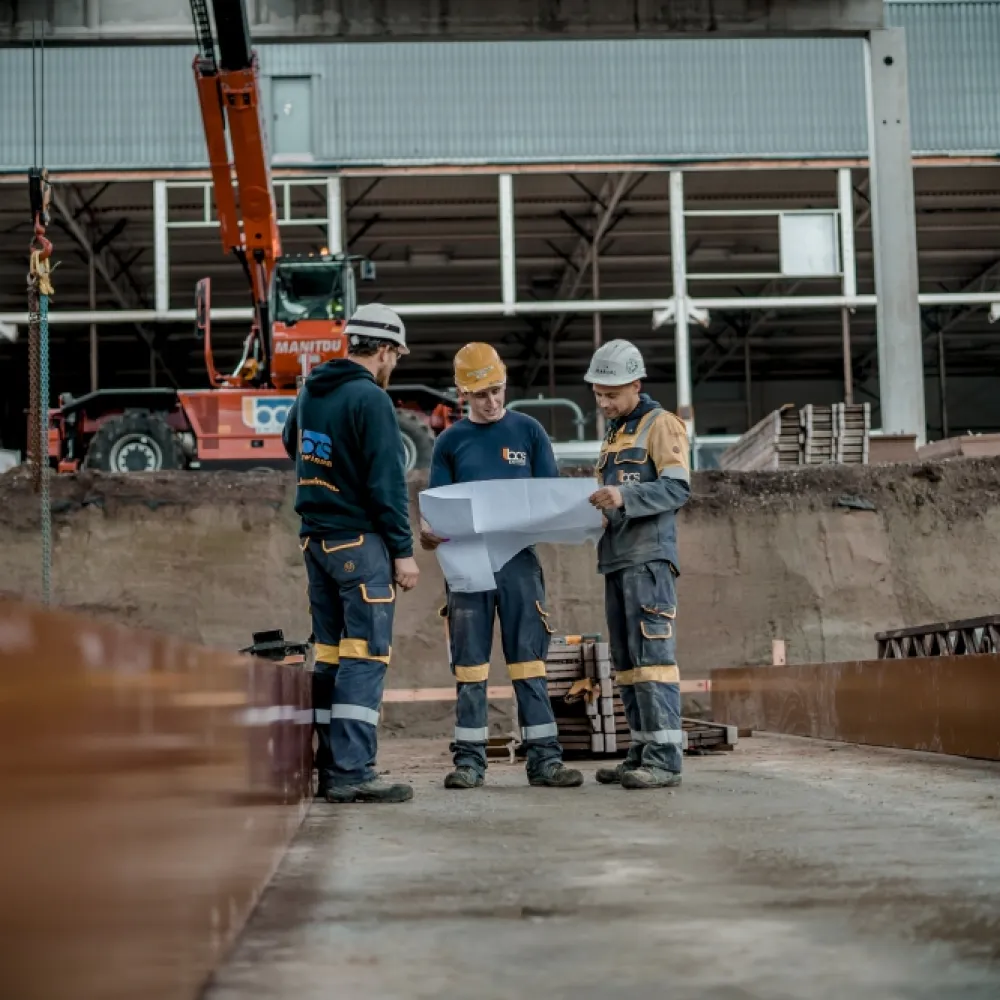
{"points": [[769, 444], [588, 708], [814, 435], [958, 638]]}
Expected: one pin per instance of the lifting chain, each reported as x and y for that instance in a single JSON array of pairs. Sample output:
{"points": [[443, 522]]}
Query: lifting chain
{"points": [[39, 289]]}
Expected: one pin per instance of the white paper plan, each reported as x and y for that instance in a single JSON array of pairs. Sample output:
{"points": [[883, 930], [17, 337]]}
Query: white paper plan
{"points": [[488, 522]]}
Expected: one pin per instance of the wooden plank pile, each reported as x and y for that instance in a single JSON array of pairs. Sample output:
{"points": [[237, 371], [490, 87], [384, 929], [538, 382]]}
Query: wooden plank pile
{"points": [[588, 707], [771, 443], [814, 435], [585, 700]]}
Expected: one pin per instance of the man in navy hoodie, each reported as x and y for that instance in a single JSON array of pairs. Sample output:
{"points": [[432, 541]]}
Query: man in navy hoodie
{"points": [[356, 540]]}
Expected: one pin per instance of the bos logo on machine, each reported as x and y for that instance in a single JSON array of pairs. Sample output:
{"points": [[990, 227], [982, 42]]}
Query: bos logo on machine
{"points": [[512, 457], [316, 447], [266, 414]]}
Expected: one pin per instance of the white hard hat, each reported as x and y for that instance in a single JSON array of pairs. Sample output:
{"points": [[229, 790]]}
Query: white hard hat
{"points": [[377, 321], [616, 363]]}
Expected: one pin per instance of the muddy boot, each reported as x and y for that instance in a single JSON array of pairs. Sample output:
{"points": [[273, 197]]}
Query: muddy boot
{"points": [[464, 777], [650, 777], [375, 790], [613, 775], [557, 777]]}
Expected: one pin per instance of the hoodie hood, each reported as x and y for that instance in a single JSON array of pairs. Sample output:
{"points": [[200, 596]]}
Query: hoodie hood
{"points": [[646, 403], [332, 375]]}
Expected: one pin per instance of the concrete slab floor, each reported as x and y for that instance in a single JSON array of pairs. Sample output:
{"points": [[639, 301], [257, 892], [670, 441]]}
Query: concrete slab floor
{"points": [[787, 869]]}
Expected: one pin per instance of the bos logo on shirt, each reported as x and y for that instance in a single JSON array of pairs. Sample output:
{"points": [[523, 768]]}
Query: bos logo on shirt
{"points": [[512, 457], [628, 477], [316, 447]]}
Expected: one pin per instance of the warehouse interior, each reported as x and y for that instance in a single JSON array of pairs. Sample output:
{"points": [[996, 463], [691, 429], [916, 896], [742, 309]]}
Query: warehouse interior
{"points": [[435, 240]]}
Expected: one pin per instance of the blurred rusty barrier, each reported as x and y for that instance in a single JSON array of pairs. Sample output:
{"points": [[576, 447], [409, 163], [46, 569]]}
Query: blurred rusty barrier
{"points": [[943, 704], [148, 789]]}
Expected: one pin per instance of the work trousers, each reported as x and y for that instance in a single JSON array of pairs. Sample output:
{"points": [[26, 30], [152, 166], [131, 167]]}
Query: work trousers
{"points": [[519, 601], [352, 601], [641, 607]]}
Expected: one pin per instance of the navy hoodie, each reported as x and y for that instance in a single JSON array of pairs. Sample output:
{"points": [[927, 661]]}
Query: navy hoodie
{"points": [[349, 460]]}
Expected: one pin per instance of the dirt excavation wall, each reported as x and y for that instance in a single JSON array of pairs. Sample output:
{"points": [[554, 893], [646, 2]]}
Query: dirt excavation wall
{"points": [[213, 556]]}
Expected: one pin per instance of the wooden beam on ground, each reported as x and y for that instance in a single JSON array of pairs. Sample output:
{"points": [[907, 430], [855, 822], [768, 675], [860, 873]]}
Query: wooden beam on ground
{"points": [[941, 704]]}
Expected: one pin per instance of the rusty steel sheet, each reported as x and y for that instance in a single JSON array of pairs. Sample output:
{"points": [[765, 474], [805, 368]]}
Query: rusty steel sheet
{"points": [[942, 704], [148, 790]]}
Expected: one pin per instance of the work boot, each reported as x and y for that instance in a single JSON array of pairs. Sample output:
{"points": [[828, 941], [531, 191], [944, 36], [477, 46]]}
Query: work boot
{"points": [[464, 777], [650, 777], [613, 775], [375, 790], [557, 777]]}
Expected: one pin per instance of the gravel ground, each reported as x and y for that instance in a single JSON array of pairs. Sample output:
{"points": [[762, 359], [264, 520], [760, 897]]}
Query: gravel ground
{"points": [[787, 869]]}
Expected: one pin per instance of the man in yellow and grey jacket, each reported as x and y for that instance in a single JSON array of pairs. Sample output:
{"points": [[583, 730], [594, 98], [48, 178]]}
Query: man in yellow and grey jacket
{"points": [[644, 472]]}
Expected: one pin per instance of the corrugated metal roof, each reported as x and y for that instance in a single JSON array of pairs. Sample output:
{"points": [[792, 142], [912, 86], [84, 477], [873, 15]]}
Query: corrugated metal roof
{"points": [[954, 74], [453, 102]]}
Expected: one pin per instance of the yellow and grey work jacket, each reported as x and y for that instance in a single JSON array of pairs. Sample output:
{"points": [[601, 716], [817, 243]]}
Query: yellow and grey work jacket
{"points": [[646, 455]]}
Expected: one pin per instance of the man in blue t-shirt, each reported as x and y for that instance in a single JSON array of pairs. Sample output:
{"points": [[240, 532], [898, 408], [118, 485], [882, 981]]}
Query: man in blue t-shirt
{"points": [[494, 443]]}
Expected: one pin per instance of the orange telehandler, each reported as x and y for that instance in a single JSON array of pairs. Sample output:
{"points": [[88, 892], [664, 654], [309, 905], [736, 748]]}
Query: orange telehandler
{"points": [[300, 307]]}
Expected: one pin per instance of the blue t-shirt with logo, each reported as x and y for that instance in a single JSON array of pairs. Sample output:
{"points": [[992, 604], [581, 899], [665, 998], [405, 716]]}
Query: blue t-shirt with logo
{"points": [[514, 447]]}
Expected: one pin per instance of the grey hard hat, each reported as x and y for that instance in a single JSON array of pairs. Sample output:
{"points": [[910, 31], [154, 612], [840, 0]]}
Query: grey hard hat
{"points": [[378, 321], [617, 362]]}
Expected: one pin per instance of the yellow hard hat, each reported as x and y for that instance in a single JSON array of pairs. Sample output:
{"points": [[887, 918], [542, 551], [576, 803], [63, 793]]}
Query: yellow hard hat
{"points": [[478, 367]]}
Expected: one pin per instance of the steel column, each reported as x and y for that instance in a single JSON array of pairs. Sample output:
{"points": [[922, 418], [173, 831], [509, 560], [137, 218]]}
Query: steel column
{"points": [[161, 247], [848, 268], [334, 214], [682, 339], [894, 234], [508, 274], [92, 283]]}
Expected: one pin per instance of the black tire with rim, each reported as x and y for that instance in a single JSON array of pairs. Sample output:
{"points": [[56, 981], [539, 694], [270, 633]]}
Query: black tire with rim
{"points": [[418, 440], [135, 441]]}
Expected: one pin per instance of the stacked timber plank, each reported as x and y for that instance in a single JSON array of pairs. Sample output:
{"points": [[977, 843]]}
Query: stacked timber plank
{"points": [[814, 435], [588, 707], [771, 443], [853, 425], [584, 698]]}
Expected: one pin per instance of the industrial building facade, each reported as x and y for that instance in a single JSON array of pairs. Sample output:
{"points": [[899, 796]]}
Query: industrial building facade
{"points": [[494, 181]]}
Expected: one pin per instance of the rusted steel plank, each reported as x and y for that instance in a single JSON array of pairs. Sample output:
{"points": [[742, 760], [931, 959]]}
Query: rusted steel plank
{"points": [[943, 704], [148, 789]]}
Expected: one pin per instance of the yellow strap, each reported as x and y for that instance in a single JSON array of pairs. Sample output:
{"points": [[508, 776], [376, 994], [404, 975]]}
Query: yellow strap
{"points": [[327, 654], [585, 688], [472, 675], [357, 649], [524, 671], [666, 674]]}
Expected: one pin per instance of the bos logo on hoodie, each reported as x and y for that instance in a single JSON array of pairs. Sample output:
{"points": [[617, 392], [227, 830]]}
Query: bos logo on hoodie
{"points": [[512, 457], [316, 447]]}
